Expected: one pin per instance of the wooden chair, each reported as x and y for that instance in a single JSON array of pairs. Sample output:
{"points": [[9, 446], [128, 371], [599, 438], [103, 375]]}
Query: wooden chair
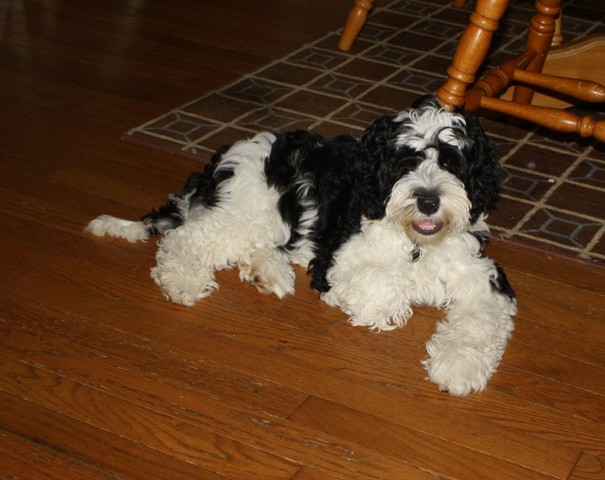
{"points": [[524, 71]]}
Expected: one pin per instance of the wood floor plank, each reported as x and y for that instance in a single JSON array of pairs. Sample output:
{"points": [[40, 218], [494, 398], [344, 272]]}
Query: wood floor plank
{"points": [[586, 301], [21, 459], [556, 367], [579, 318], [89, 445], [547, 392], [391, 439], [73, 347], [187, 441], [190, 56], [250, 22], [541, 264], [130, 84], [161, 432], [306, 473], [162, 174], [551, 339], [83, 117]]}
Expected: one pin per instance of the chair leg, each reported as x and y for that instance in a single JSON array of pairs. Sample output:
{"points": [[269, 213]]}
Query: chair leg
{"points": [[358, 16], [471, 52], [539, 39]]}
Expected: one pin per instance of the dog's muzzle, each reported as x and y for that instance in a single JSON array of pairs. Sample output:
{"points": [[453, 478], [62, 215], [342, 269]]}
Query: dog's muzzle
{"points": [[427, 204]]}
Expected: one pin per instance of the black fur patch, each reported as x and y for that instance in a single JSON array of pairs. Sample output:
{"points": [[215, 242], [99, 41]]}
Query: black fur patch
{"points": [[500, 284], [202, 188], [312, 172]]}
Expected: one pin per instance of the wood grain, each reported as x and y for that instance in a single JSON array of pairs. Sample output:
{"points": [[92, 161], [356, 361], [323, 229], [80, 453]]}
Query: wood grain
{"points": [[19, 456], [589, 467], [88, 445]]}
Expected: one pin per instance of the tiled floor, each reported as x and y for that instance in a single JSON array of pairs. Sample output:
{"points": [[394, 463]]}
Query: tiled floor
{"points": [[553, 185]]}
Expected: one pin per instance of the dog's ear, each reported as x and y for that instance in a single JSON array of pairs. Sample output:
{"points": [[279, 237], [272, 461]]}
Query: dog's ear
{"points": [[482, 180], [381, 134], [384, 163], [377, 153]]}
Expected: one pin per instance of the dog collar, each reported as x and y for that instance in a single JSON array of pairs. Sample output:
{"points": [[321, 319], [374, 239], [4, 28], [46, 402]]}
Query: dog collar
{"points": [[415, 254]]}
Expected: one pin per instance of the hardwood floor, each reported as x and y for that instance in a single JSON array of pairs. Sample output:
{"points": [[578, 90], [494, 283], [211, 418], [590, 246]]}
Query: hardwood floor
{"points": [[101, 378]]}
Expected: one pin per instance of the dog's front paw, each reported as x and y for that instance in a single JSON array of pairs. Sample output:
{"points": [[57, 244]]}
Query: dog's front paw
{"points": [[182, 289], [459, 369]]}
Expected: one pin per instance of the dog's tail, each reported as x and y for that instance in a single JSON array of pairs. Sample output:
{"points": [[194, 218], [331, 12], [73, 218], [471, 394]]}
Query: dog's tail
{"points": [[106, 225], [200, 189], [167, 217], [152, 224]]}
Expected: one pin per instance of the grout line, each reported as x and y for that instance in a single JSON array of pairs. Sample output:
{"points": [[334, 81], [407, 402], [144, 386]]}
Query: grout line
{"points": [[576, 251], [552, 208], [542, 202], [588, 250]]}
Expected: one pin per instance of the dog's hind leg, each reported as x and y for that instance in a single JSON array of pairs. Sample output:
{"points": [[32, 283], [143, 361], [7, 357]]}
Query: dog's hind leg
{"points": [[186, 262], [268, 269], [189, 255]]}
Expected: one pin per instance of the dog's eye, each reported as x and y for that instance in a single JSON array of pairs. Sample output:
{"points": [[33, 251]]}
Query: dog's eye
{"points": [[448, 160], [445, 163], [407, 163]]}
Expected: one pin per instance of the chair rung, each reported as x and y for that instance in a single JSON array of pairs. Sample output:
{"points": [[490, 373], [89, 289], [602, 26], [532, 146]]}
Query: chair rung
{"points": [[584, 90], [553, 118]]}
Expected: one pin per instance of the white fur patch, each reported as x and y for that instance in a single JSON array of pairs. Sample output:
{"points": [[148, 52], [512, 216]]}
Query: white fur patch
{"points": [[421, 128]]}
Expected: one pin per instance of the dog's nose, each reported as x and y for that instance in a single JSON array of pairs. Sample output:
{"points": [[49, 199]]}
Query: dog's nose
{"points": [[428, 203]]}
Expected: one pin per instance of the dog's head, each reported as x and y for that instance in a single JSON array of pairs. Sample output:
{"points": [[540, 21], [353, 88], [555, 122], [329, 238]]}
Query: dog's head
{"points": [[435, 171]]}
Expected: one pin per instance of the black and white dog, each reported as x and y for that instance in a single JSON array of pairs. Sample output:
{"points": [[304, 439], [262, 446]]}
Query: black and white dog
{"points": [[383, 223]]}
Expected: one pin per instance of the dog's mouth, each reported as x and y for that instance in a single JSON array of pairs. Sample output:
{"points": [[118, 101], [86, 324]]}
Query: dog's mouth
{"points": [[427, 227]]}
